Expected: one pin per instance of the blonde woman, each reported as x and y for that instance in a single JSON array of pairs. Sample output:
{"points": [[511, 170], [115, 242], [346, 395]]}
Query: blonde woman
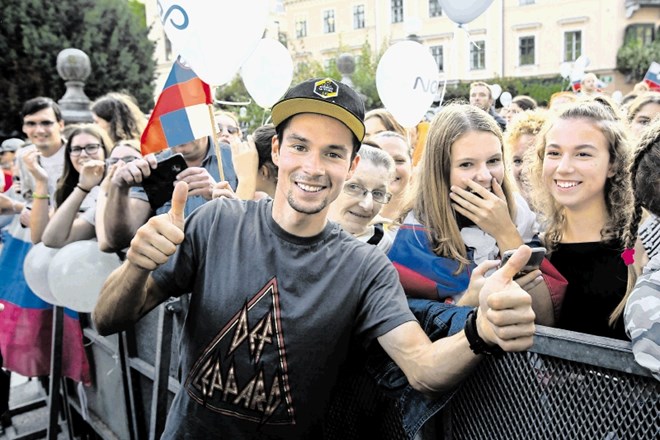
{"points": [[463, 212]]}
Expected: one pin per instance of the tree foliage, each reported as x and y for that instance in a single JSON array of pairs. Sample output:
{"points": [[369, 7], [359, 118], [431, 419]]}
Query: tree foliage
{"points": [[634, 58], [111, 32]]}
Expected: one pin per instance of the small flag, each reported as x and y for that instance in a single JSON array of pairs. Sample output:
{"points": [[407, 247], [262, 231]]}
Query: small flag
{"points": [[576, 85], [181, 113], [652, 77]]}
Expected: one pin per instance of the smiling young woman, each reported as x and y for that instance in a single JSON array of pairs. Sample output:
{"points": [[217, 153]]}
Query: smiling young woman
{"points": [[581, 186]]}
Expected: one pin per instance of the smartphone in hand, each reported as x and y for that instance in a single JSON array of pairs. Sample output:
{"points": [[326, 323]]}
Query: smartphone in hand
{"points": [[534, 262], [159, 186]]}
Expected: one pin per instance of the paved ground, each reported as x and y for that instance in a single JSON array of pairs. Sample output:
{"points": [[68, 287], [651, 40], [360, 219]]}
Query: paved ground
{"points": [[24, 390]]}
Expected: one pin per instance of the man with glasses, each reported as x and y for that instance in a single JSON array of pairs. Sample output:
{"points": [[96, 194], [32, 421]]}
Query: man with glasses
{"points": [[127, 206], [43, 125]]}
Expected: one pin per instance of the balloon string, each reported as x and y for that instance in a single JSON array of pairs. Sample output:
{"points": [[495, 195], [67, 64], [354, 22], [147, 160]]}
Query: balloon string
{"points": [[469, 37]]}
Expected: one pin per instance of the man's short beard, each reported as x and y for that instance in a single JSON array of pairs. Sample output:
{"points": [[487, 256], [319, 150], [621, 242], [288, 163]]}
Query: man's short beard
{"points": [[312, 210]]}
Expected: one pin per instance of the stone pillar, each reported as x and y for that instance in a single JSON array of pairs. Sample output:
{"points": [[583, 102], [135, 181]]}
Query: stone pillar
{"points": [[74, 67]]}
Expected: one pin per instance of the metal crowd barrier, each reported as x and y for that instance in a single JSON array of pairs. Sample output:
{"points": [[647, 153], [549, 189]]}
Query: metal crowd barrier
{"points": [[568, 386]]}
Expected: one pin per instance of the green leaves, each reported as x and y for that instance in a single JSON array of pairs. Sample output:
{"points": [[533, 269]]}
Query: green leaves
{"points": [[33, 32]]}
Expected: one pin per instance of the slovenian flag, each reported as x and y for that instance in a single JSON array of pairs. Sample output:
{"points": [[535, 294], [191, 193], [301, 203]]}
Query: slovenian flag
{"points": [[422, 273], [576, 85], [181, 113], [652, 77], [26, 324]]}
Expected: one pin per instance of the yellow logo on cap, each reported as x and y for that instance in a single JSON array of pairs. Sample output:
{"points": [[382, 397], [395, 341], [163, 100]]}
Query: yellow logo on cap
{"points": [[326, 88]]}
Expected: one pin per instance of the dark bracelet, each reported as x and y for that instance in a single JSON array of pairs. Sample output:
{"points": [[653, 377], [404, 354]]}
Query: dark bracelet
{"points": [[477, 344], [82, 189]]}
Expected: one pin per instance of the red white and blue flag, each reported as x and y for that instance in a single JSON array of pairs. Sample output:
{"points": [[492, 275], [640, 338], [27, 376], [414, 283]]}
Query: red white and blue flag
{"points": [[181, 113], [576, 85], [422, 273], [26, 324], [652, 77]]}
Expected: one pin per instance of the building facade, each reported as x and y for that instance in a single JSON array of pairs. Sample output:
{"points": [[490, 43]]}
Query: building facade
{"points": [[512, 38]]}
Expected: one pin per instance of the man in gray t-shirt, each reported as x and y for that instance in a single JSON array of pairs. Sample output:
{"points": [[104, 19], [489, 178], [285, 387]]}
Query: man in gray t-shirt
{"points": [[279, 292]]}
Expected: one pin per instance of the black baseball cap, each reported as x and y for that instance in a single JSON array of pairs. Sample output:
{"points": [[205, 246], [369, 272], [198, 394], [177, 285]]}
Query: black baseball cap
{"points": [[323, 96]]}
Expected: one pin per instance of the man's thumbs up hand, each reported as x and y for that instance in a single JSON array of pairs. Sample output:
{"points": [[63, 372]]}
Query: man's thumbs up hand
{"points": [[157, 239], [179, 198], [505, 316]]}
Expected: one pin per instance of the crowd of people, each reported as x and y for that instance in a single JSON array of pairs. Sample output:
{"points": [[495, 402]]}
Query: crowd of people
{"points": [[328, 227]]}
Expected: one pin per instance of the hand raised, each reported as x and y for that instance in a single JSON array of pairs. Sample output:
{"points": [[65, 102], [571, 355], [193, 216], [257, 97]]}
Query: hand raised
{"points": [[158, 239], [91, 174], [32, 164], [200, 182], [505, 313]]}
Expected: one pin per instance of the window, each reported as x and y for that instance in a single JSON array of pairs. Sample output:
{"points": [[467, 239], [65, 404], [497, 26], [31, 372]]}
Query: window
{"points": [[572, 45], [436, 52], [478, 55], [397, 11], [301, 28], [358, 17], [526, 51], [329, 21], [434, 8], [642, 32]]}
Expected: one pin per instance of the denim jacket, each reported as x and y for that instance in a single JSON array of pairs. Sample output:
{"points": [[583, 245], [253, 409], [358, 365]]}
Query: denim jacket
{"points": [[438, 320]]}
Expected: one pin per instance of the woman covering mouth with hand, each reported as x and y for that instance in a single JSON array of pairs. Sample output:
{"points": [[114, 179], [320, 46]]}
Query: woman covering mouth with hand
{"points": [[462, 213]]}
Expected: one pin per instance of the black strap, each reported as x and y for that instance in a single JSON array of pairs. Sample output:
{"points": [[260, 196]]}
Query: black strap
{"points": [[378, 234]]}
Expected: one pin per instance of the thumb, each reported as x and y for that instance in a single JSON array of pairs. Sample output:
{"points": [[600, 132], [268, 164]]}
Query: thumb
{"points": [[514, 265], [179, 198]]}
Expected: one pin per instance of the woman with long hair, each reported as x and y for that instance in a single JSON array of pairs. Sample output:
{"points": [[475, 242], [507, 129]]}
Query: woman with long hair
{"points": [[642, 304], [77, 189], [463, 212], [581, 186], [119, 115]]}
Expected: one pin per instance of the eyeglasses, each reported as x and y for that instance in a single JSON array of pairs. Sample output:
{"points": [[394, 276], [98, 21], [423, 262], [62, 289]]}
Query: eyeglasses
{"points": [[113, 160], [360, 192], [230, 129], [89, 149], [42, 124]]}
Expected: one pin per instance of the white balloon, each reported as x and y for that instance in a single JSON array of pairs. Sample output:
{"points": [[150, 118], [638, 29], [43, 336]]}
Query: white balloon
{"points": [[496, 90], [268, 72], [576, 74], [464, 11], [35, 269], [582, 62], [617, 96], [505, 99], [407, 81], [77, 273], [216, 37], [565, 69]]}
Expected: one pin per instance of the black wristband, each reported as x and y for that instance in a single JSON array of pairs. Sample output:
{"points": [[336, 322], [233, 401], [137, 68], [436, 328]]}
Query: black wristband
{"points": [[477, 344], [82, 189]]}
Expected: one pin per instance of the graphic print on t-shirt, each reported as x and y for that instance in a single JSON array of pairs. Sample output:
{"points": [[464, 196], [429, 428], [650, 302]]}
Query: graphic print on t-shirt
{"points": [[243, 371]]}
